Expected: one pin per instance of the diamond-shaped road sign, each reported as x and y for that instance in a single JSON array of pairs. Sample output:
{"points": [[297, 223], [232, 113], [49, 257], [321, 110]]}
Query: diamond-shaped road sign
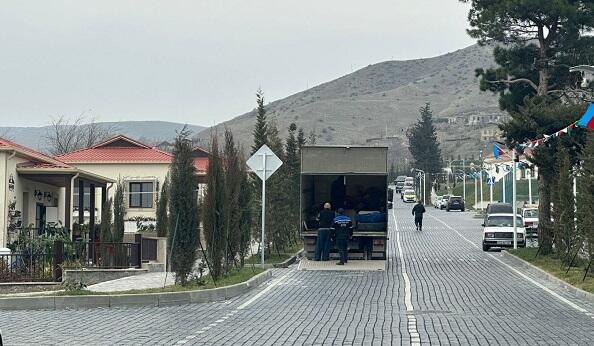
{"points": [[264, 160]]}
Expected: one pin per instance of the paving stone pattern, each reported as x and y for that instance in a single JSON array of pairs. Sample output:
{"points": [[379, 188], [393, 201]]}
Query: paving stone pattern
{"points": [[459, 296]]}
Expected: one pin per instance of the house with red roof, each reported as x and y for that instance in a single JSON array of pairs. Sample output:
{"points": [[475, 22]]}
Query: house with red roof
{"points": [[141, 167], [36, 189]]}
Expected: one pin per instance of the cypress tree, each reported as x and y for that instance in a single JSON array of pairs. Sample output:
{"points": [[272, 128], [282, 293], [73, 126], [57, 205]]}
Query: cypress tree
{"points": [[585, 196], [424, 147], [232, 209], [183, 208], [105, 228], [261, 128], [563, 210], [292, 169], [119, 210], [246, 194], [213, 211], [162, 210]]}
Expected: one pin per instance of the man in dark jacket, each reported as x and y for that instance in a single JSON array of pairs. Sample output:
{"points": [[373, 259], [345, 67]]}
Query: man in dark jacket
{"points": [[418, 211], [343, 230], [325, 219]]}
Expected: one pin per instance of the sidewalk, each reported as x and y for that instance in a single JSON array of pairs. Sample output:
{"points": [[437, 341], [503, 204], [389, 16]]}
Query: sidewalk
{"points": [[143, 281]]}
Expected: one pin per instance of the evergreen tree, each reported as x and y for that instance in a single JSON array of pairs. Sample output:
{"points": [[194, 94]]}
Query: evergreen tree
{"points": [[183, 209], [293, 171], [301, 140], [424, 147], [231, 205], [311, 138], [119, 210], [162, 210], [392, 172], [563, 212], [246, 193], [105, 235], [213, 211], [585, 196], [261, 128], [542, 39]]}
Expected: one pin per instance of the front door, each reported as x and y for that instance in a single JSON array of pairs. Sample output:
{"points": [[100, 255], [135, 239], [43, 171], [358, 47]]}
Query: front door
{"points": [[40, 218]]}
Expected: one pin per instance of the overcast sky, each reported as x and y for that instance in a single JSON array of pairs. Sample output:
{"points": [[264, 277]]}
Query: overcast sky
{"points": [[200, 61]]}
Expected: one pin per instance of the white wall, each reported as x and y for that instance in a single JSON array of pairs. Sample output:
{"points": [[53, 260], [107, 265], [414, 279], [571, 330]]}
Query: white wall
{"points": [[3, 201], [130, 172]]}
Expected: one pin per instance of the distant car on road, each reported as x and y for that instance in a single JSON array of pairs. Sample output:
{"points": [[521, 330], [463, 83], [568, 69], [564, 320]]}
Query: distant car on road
{"points": [[409, 196], [400, 183], [498, 231], [437, 202], [444, 202], [455, 203]]}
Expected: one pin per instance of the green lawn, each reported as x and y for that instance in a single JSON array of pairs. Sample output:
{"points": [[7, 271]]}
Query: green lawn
{"points": [[553, 265], [234, 277], [274, 258]]}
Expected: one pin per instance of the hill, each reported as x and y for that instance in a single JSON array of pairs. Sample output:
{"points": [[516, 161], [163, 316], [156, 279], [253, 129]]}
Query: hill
{"points": [[150, 132], [378, 102]]}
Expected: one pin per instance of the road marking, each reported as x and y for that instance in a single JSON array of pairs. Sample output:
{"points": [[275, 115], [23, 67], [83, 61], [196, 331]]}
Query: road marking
{"points": [[257, 296], [536, 283], [415, 338], [407, 293]]}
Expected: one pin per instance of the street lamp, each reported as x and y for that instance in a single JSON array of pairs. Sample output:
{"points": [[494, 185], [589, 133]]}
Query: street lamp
{"points": [[421, 178]]}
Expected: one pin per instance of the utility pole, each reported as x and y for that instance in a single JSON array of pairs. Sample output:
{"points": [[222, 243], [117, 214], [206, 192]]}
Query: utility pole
{"points": [[514, 207]]}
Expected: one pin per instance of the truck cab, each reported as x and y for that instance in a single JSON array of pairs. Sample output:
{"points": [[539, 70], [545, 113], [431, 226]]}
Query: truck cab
{"points": [[354, 178]]}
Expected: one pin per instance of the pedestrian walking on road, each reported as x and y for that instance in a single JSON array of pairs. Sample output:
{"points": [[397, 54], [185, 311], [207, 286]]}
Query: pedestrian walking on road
{"points": [[343, 231], [325, 220], [418, 211]]}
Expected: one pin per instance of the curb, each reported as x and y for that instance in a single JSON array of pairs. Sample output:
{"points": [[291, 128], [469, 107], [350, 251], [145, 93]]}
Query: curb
{"points": [[549, 277], [284, 264], [134, 300]]}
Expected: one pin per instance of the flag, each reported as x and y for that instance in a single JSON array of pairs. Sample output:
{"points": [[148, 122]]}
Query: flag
{"points": [[587, 120], [497, 151]]}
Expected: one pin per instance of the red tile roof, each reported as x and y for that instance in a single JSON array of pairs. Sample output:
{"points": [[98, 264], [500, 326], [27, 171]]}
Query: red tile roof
{"points": [[122, 149], [201, 164], [134, 151], [35, 156]]}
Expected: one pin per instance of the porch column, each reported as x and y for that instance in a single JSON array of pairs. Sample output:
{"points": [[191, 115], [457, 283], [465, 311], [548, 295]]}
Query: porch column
{"points": [[81, 202], [68, 206], [92, 212], [62, 197]]}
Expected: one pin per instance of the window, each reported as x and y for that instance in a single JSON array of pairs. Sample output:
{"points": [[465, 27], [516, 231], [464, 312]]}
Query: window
{"points": [[86, 198], [141, 195]]}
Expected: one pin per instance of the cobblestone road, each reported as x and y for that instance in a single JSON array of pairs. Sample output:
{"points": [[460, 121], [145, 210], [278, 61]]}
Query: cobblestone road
{"points": [[439, 288]]}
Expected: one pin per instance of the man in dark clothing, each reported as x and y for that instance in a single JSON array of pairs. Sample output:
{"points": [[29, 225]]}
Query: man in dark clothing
{"points": [[343, 230], [418, 211], [325, 218]]}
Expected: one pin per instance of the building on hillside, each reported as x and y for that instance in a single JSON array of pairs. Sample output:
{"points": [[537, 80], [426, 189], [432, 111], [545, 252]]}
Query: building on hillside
{"points": [[140, 167], [490, 133], [37, 190]]}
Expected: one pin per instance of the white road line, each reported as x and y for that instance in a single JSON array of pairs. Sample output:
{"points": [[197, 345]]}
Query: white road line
{"points": [[536, 283], [407, 293], [257, 296], [415, 338]]}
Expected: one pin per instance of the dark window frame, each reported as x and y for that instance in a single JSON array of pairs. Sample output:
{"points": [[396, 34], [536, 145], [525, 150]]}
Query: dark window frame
{"points": [[145, 200]]}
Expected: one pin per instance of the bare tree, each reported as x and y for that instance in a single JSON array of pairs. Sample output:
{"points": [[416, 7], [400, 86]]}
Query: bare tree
{"points": [[68, 134]]}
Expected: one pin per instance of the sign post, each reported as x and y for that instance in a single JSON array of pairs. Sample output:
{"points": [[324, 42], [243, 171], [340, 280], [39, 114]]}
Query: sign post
{"points": [[264, 163]]}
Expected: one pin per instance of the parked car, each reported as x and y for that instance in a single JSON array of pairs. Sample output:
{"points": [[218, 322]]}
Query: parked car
{"points": [[437, 202], [455, 203], [530, 215], [399, 183], [498, 208], [409, 196], [498, 231], [444, 202]]}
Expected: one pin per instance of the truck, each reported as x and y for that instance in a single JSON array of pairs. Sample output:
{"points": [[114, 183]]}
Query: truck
{"points": [[354, 178]]}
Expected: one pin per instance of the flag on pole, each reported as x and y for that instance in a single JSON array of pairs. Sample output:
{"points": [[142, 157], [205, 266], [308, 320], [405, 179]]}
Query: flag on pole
{"points": [[497, 151], [587, 120]]}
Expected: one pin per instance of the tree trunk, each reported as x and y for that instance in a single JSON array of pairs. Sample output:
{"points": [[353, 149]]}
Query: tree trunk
{"points": [[544, 215]]}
